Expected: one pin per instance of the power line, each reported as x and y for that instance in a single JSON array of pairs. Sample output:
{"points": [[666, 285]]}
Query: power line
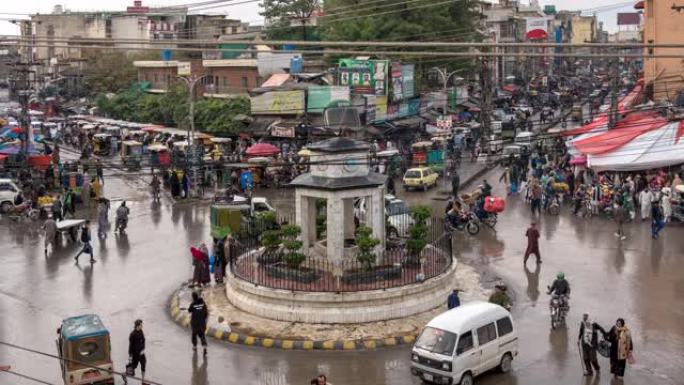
{"points": [[27, 377]]}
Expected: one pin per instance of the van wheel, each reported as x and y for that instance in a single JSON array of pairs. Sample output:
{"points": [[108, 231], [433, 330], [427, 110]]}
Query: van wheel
{"points": [[425, 187], [505, 365], [6, 207], [467, 379]]}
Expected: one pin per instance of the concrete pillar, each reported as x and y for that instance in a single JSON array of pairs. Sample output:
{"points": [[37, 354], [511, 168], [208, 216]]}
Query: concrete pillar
{"points": [[349, 228], [378, 216], [335, 230]]}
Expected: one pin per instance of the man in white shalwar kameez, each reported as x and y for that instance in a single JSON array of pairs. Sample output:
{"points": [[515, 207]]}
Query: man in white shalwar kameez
{"points": [[645, 199]]}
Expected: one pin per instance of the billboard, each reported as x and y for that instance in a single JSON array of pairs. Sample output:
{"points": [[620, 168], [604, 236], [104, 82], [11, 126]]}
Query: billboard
{"points": [[397, 82], [365, 77], [184, 68], [536, 28], [278, 103], [408, 80], [321, 97]]}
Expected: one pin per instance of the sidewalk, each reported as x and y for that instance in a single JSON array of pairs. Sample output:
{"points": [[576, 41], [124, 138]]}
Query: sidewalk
{"points": [[228, 323]]}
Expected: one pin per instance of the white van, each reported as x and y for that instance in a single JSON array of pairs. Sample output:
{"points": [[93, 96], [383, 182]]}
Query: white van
{"points": [[465, 342]]}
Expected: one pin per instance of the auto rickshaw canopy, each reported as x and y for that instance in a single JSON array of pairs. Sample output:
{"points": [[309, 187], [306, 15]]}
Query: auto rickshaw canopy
{"points": [[83, 326]]}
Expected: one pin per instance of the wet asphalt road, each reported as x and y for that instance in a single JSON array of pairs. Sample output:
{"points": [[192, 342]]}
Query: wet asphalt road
{"points": [[638, 279]]}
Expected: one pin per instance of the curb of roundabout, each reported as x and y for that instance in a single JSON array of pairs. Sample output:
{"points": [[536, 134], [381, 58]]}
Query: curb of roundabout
{"points": [[182, 318]]}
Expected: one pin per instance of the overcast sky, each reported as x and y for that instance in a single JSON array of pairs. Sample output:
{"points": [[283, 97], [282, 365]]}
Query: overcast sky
{"points": [[247, 12]]}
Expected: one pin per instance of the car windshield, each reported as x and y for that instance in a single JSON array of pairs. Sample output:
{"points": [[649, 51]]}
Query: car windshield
{"points": [[437, 341], [397, 208], [412, 174]]}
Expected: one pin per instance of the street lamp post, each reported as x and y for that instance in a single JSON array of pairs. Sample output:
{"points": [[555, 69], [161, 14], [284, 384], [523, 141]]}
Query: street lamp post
{"points": [[191, 82]]}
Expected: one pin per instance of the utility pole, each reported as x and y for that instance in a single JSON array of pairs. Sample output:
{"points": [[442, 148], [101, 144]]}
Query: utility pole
{"points": [[485, 100], [615, 76], [193, 152]]}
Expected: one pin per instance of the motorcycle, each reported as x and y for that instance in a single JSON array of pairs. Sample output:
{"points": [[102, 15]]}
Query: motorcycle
{"points": [[489, 219], [121, 224], [23, 210], [468, 222], [559, 307]]}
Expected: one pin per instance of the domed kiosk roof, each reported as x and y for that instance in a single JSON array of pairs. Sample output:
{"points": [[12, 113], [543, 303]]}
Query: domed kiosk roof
{"points": [[337, 145]]}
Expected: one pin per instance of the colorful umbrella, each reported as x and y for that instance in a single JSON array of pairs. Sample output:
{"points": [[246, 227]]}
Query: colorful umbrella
{"points": [[262, 149]]}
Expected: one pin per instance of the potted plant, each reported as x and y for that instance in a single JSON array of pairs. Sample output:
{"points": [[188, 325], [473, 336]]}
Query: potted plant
{"points": [[417, 234], [366, 245], [366, 256], [290, 267]]}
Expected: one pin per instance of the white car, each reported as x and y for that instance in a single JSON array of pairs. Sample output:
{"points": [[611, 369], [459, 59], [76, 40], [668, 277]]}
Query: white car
{"points": [[8, 193], [398, 217]]}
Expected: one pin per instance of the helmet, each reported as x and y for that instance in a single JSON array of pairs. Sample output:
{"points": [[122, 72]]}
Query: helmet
{"points": [[560, 275]]}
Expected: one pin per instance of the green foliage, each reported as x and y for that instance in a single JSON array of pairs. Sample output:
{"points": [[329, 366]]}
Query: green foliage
{"points": [[171, 109], [418, 230], [111, 72], [270, 239], [289, 19], [293, 257], [366, 244], [352, 20]]}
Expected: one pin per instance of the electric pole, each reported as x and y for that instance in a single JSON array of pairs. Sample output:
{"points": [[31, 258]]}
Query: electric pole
{"points": [[615, 76], [485, 100], [193, 156]]}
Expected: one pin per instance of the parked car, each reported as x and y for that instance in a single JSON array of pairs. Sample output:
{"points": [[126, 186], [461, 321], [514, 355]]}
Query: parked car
{"points": [[464, 342], [420, 177], [398, 217], [525, 139], [8, 193]]}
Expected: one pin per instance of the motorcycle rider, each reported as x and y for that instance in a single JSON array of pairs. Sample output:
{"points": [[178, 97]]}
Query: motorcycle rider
{"points": [[122, 216], [561, 288], [455, 213]]}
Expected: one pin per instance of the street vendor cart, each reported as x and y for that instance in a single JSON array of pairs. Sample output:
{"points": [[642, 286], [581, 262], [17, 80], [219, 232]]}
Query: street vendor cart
{"points": [[70, 227]]}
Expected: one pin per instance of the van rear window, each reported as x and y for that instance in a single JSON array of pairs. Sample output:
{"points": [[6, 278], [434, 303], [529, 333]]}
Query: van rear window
{"points": [[505, 326], [437, 341]]}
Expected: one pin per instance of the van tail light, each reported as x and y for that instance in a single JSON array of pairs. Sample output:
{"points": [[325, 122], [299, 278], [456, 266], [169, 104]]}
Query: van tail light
{"points": [[71, 378]]}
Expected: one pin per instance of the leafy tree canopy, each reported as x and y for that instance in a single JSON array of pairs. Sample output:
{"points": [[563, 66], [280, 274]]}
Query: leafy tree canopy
{"points": [[289, 19]]}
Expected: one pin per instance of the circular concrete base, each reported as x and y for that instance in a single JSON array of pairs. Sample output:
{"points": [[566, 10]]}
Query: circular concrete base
{"points": [[344, 307]]}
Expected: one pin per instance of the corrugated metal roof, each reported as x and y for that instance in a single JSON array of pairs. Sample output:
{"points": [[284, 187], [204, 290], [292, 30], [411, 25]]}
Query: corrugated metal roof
{"points": [[230, 63], [276, 80]]}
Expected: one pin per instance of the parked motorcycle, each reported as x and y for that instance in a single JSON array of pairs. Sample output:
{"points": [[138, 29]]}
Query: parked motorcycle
{"points": [[23, 210], [468, 223]]}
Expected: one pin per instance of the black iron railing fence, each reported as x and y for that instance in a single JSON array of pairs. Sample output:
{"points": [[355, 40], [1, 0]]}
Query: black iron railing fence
{"points": [[394, 266]]}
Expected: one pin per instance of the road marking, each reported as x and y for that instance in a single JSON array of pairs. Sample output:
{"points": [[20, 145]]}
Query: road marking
{"points": [[329, 345], [390, 341], [287, 344], [370, 344], [349, 345], [308, 345], [219, 334], [267, 343], [233, 337], [249, 340]]}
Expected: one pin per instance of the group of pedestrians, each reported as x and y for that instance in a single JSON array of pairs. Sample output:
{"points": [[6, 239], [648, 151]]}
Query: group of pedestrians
{"points": [[618, 346], [205, 264]]}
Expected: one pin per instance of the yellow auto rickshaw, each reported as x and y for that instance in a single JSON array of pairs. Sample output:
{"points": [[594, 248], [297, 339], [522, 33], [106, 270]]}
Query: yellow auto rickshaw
{"points": [[84, 350], [102, 144], [131, 154], [576, 112]]}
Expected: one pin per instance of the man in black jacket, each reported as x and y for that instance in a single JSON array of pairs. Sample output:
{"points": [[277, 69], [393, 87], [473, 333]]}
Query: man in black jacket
{"points": [[198, 320], [136, 349], [588, 340], [85, 239]]}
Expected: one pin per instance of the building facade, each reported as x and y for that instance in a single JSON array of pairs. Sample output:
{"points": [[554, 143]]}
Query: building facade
{"points": [[231, 77], [663, 25]]}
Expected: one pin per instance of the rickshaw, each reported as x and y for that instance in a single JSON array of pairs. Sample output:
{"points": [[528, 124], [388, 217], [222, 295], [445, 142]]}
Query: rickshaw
{"points": [[103, 144], [131, 154], [221, 146], [160, 156], [226, 218], [420, 150], [84, 350]]}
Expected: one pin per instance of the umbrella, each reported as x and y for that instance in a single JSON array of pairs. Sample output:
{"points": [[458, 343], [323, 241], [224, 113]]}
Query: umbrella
{"points": [[262, 149], [305, 152]]}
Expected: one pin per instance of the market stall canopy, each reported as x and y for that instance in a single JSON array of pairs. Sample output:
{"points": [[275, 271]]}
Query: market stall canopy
{"points": [[661, 146], [17, 149], [624, 132], [262, 149]]}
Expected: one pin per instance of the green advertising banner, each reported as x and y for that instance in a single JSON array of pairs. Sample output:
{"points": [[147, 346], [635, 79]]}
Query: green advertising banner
{"points": [[365, 77]]}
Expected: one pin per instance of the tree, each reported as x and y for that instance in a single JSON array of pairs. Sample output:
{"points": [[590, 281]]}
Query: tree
{"points": [[351, 20], [109, 72], [293, 258], [288, 19]]}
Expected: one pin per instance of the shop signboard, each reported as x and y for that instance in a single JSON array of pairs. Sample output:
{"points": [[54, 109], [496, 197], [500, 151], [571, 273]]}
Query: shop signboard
{"points": [[397, 82], [365, 77], [403, 109], [321, 97], [408, 80], [278, 103], [282, 132]]}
